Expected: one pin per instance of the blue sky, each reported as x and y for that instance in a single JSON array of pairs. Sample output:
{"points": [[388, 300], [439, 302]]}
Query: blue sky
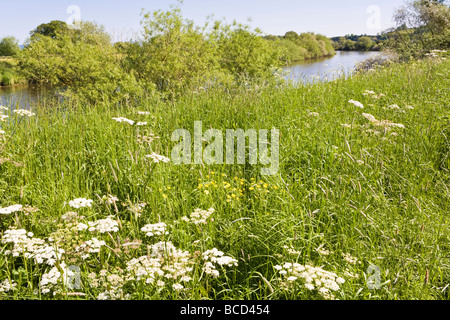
{"points": [[121, 18]]}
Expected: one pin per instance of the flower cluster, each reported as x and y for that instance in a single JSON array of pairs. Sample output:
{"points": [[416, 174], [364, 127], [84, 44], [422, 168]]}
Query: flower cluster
{"points": [[23, 112], [102, 225], [136, 208], [122, 119], [157, 229], [7, 285], [215, 256], [148, 139], [349, 258], [356, 103], [381, 123], [373, 94], [166, 264], [91, 246], [11, 209], [80, 203], [291, 250], [31, 248], [54, 279], [199, 216], [157, 158], [314, 278]]}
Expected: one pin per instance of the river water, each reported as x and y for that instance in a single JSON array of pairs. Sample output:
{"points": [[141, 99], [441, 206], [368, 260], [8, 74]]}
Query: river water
{"points": [[327, 68], [308, 71]]}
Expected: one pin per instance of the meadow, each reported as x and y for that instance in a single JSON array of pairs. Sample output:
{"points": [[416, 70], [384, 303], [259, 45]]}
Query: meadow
{"points": [[92, 207]]}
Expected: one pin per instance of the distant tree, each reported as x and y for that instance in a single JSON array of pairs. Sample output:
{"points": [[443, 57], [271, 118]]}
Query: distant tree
{"points": [[347, 44], [9, 46], [50, 29], [364, 43], [291, 35]]}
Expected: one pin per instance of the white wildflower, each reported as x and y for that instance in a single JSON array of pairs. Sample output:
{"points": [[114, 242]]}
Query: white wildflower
{"points": [[23, 112], [7, 285], [157, 158], [11, 209], [80, 203], [103, 225], [199, 216], [122, 119], [356, 103], [177, 286], [349, 258], [156, 229]]}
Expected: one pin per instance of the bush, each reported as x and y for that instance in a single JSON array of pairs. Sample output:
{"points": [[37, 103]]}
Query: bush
{"points": [[9, 46], [83, 61]]}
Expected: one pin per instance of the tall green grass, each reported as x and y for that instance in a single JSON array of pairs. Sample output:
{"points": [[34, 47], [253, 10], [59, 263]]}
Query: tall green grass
{"points": [[381, 198]]}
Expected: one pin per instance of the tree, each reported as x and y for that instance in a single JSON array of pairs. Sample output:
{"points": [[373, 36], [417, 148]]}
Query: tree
{"points": [[291, 35], [9, 46], [84, 61], [50, 29], [364, 43], [427, 25]]}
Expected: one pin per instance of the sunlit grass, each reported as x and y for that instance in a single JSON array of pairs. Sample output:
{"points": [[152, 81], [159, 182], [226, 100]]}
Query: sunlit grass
{"points": [[348, 188]]}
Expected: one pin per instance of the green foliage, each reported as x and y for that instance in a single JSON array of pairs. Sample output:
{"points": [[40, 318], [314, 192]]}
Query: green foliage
{"points": [[365, 44], [297, 47], [83, 61], [245, 54], [50, 29], [9, 46], [422, 25], [359, 42], [173, 53], [9, 74]]}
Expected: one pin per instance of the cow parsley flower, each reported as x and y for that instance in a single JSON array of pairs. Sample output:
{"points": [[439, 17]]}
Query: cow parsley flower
{"points": [[313, 278], [23, 112], [80, 203], [31, 248], [214, 256], [349, 258], [199, 216], [11, 209], [122, 119], [157, 158], [7, 285], [356, 103], [156, 229], [91, 246]]}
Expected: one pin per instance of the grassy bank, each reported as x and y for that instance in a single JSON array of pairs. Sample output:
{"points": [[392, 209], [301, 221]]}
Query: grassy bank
{"points": [[352, 191]]}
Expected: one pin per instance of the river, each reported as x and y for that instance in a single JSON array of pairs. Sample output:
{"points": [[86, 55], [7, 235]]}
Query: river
{"points": [[327, 68], [308, 71]]}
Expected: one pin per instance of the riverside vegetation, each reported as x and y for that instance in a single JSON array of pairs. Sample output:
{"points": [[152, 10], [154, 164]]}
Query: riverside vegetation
{"points": [[92, 207]]}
